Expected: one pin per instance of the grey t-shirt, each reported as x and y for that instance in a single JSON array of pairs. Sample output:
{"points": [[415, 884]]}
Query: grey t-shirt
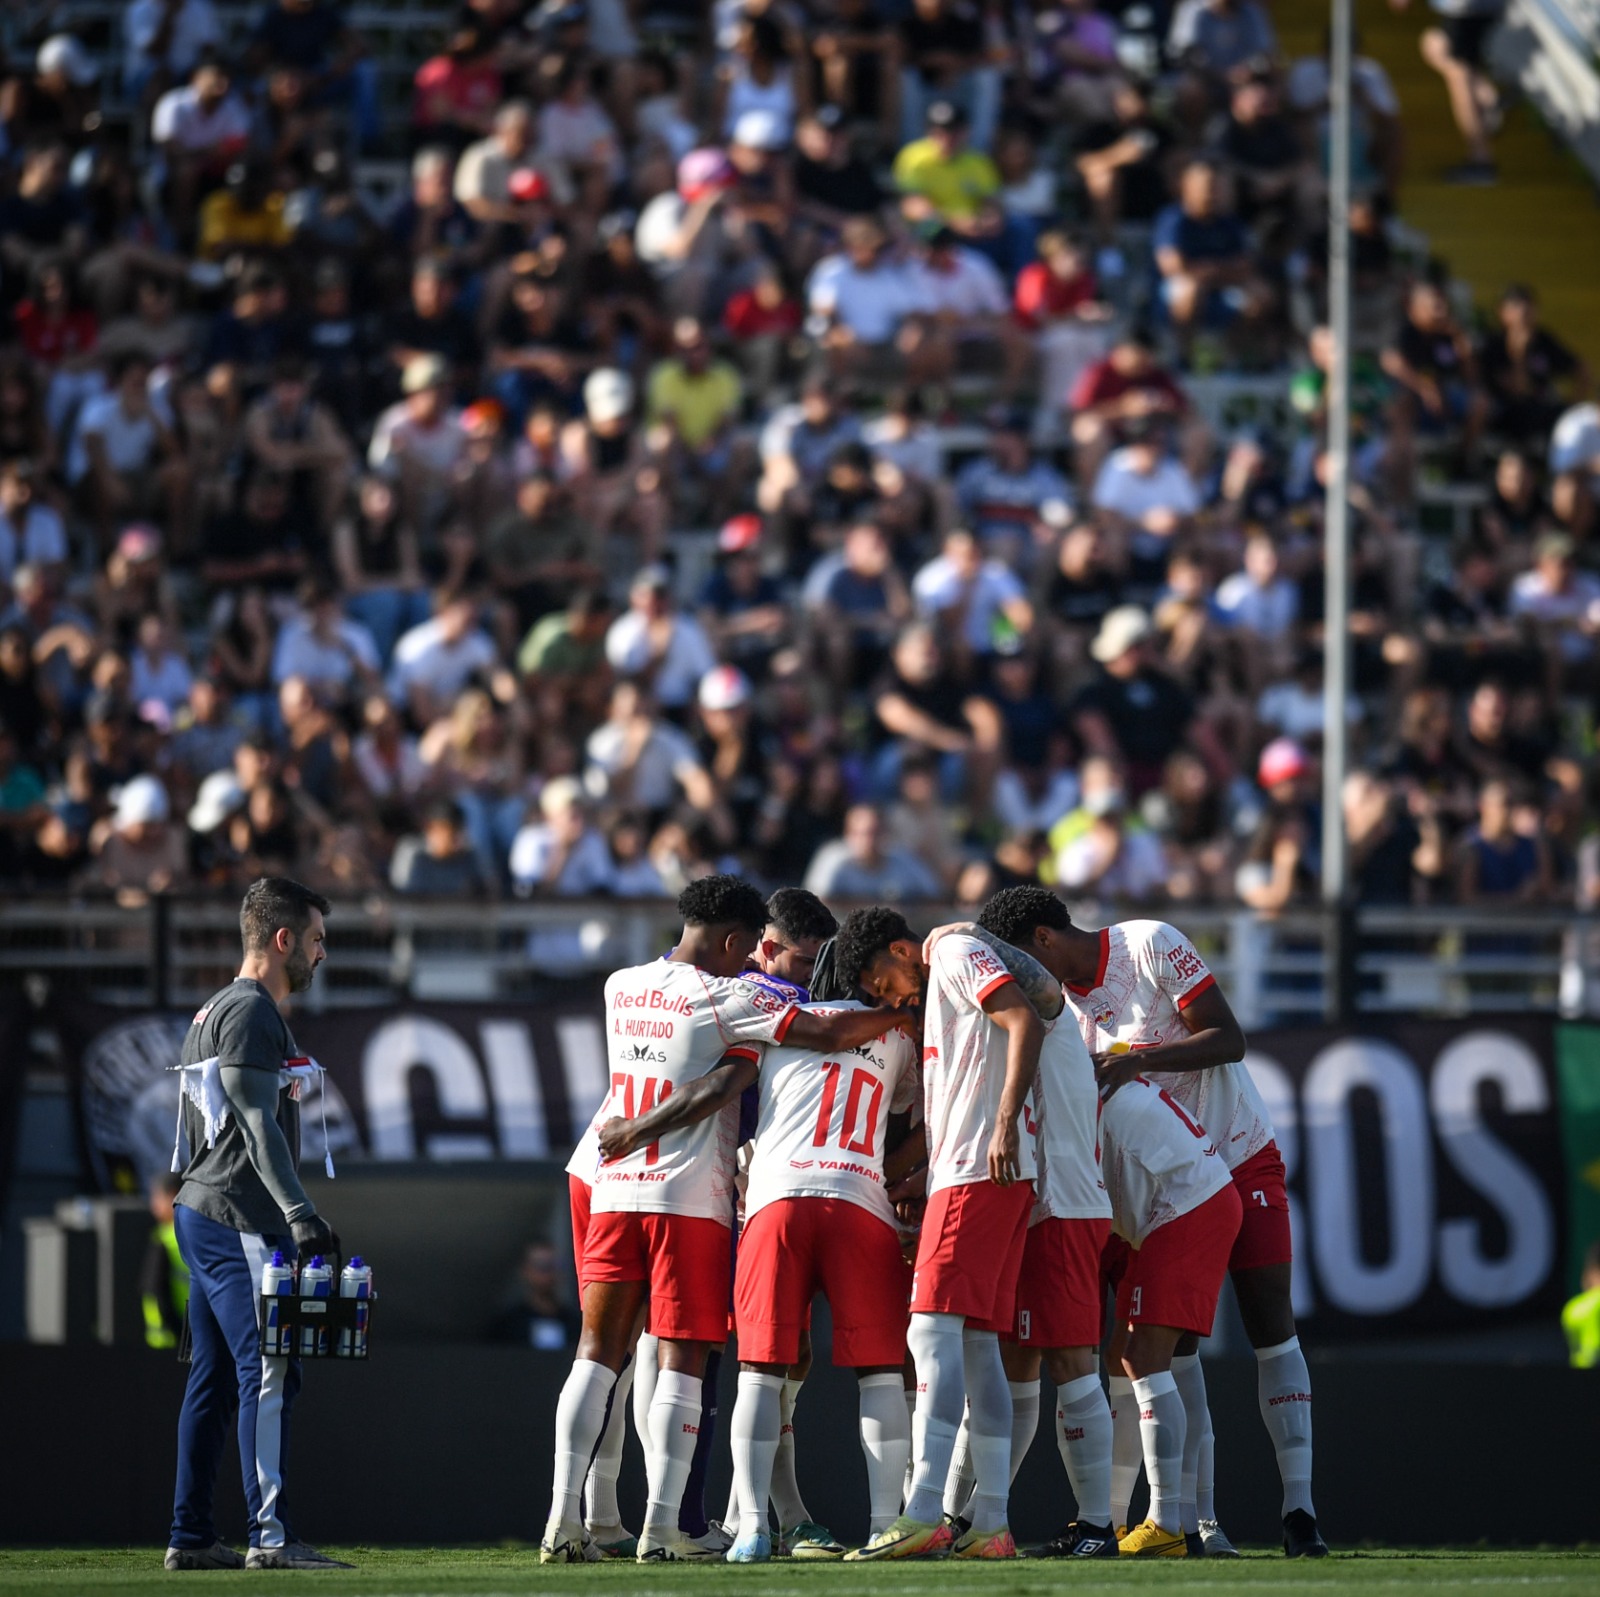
{"points": [[239, 1026]]}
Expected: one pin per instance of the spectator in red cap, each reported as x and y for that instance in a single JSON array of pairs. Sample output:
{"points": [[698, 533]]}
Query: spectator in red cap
{"points": [[741, 606]]}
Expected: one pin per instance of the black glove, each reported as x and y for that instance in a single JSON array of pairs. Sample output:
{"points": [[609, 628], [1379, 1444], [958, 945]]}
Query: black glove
{"points": [[314, 1235]]}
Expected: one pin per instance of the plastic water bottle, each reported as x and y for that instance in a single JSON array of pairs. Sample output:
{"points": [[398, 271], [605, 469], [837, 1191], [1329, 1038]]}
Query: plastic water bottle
{"points": [[277, 1280], [316, 1281], [355, 1281]]}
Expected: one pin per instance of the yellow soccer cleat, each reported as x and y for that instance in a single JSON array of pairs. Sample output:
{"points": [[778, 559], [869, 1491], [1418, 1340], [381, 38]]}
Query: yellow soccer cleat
{"points": [[985, 1544], [1150, 1541], [905, 1538]]}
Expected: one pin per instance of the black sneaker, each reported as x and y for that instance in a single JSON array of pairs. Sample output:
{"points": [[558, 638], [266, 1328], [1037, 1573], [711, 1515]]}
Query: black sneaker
{"points": [[1301, 1538], [1078, 1541], [1192, 1540]]}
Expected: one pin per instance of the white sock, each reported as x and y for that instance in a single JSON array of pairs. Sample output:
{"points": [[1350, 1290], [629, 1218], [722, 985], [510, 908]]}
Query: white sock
{"points": [[580, 1414], [1127, 1451], [1024, 1421], [600, 1490], [1191, 1381], [989, 1414], [886, 1442], [958, 1484], [1161, 1429], [730, 1520], [1283, 1388], [1205, 1475], [911, 1420], [935, 1343], [674, 1428], [1083, 1433], [646, 1371], [753, 1437], [786, 1498]]}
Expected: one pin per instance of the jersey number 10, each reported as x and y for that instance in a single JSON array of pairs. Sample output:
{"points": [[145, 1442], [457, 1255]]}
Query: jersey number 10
{"points": [[863, 1084]]}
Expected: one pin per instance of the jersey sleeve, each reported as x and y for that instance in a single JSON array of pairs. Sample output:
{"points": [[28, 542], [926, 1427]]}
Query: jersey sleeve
{"points": [[908, 1084], [252, 1037], [1178, 968], [749, 1016], [968, 969]]}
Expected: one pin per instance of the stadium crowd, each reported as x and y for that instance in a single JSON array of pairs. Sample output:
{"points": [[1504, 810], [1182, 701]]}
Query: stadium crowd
{"points": [[768, 436]]}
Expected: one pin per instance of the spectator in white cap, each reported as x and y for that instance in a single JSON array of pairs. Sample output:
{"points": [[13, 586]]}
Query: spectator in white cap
{"points": [[138, 851], [560, 852], [418, 442], [656, 643], [66, 87]]}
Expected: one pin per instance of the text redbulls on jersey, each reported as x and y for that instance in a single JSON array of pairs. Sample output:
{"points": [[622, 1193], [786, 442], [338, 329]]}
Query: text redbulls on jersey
{"points": [[1149, 974], [964, 1065], [667, 1024], [824, 1117]]}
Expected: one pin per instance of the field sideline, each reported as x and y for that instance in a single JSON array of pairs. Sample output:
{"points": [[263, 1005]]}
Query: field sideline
{"points": [[505, 1572]]}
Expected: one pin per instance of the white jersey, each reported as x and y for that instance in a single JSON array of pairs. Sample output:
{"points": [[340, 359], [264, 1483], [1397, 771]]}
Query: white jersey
{"points": [[1066, 1109], [667, 1024], [964, 1065], [1149, 974], [1157, 1162], [824, 1118]]}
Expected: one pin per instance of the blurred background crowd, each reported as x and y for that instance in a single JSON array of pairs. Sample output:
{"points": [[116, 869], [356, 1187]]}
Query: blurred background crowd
{"points": [[778, 435]]}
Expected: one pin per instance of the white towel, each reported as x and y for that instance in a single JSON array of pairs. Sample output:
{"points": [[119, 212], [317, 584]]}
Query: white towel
{"points": [[202, 1086]]}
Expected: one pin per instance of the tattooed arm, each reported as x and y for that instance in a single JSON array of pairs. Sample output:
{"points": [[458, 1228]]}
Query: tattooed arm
{"points": [[1039, 987]]}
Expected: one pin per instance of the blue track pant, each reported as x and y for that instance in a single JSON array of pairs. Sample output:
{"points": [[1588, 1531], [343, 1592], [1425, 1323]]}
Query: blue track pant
{"points": [[224, 1283]]}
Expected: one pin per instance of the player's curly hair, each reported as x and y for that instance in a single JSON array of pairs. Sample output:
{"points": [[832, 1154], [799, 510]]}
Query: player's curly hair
{"points": [[723, 901], [864, 935], [800, 914], [1014, 914]]}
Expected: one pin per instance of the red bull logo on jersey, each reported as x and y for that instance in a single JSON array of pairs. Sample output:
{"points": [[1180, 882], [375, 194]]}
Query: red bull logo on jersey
{"points": [[668, 1004]]}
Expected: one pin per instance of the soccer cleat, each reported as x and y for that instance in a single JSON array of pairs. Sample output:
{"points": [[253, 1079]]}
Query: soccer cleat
{"points": [[1215, 1540], [217, 1556], [1078, 1541], [754, 1549], [563, 1544], [809, 1541], [674, 1548], [608, 1541], [905, 1538], [1301, 1538], [988, 1544], [292, 1555], [1150, 1541], [717, 1538]]}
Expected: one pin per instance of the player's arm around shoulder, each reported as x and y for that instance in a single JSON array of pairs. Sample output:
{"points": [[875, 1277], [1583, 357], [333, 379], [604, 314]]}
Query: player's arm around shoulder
{"points": [[688, 1105]]}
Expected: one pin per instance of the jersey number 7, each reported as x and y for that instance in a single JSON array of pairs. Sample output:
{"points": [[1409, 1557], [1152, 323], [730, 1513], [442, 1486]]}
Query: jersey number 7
{"points": [[853, 1137]]}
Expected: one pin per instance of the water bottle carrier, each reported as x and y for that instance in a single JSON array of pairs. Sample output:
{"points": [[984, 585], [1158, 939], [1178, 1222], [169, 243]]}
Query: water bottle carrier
{"points": [[327, 1315]]}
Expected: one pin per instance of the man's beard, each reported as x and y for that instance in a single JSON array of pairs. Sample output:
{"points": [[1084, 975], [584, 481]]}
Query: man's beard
{"points": [[299, 969]]}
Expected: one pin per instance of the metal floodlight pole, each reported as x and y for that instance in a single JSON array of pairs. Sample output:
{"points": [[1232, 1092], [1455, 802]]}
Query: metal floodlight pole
{"points": [[1336, 617]]}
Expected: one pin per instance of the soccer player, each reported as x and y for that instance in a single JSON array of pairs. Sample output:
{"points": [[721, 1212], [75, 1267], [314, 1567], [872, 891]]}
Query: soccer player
{"points": [[1141, 988], [240, 1200], [660, 1216], [816, 1219], [1059, 1296], [980, 1053]]}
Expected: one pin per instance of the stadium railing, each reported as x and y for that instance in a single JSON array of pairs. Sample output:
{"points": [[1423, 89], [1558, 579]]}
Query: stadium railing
{"points": [[174, 951]]}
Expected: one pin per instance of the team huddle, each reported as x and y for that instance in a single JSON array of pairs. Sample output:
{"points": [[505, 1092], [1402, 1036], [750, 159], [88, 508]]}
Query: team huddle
{"points": [[966, 1143]]}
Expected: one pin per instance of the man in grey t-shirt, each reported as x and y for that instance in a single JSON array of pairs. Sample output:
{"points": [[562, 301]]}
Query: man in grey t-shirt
{"points": [[241, 1199]]}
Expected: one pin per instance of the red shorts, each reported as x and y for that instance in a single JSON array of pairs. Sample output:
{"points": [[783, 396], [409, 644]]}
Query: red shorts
{"points": [[1264, 1235], [1176, 1275], [683, 1258], [1058, 1290], [970, 1253], [579, 1196], [794, 1248]]}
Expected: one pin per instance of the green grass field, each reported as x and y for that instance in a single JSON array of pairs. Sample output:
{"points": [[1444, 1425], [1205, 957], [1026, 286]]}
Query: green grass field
{"points": [[498, 1572]]}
